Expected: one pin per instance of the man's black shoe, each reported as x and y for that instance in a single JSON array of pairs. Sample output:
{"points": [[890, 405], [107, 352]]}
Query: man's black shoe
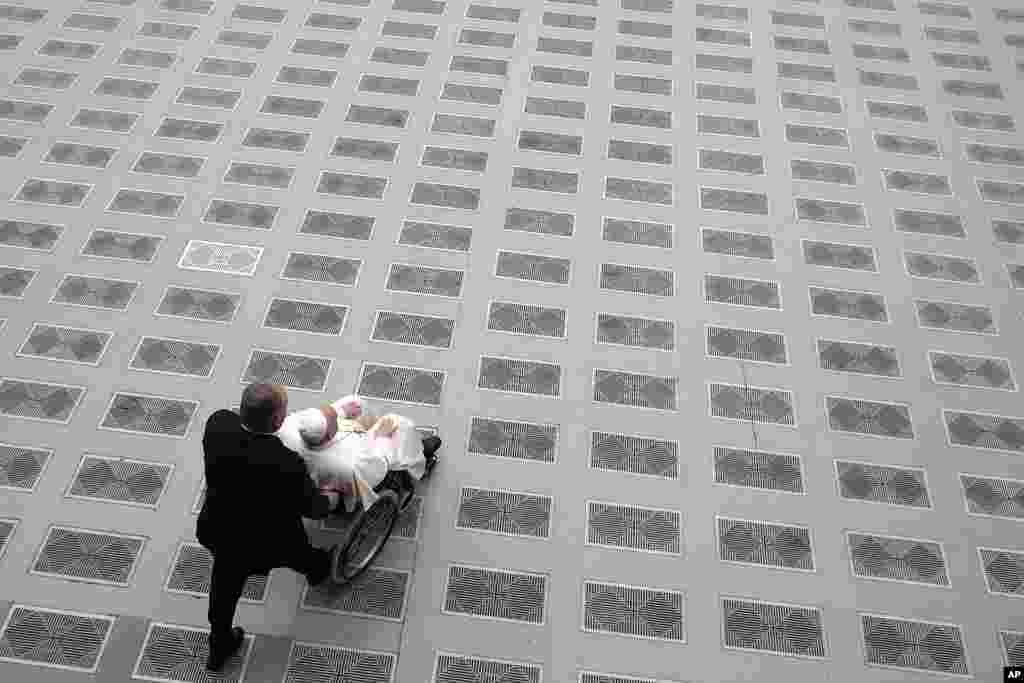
{"points": [[221, 652], [431, 444], [323, 571]]}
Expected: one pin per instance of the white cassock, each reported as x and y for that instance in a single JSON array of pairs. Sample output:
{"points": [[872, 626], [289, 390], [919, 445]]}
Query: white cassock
{"points": [[354, 461]]}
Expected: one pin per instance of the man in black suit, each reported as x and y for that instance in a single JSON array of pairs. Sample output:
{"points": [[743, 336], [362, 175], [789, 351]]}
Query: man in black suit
{"points": [[257, 492]]}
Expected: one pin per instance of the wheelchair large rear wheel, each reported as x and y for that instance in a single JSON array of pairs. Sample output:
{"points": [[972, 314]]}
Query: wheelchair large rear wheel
{"points": [[369, 534]]}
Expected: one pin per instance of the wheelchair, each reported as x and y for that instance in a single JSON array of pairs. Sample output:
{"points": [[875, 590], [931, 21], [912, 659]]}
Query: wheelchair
{"points": [[368, 530]]}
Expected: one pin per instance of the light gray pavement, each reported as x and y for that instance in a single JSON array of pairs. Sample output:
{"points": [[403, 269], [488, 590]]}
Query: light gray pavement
{"points": [[715, 308]]}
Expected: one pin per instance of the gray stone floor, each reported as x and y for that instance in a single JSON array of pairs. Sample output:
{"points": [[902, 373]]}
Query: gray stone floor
{"points": [[715, 307]]}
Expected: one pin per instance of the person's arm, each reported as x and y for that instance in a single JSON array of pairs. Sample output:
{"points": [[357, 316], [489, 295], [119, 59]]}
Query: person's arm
{"points": [[312, 502]]}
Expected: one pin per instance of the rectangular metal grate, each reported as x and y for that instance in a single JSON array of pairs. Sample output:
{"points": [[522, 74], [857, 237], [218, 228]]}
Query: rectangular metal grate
{"points": [[331, 270], [21, 466], [66, 344], [7, 529], [1012, 643], [217, 257], [414, 330], [993, 497], [308, 373], [851, 305], [92, 556], [305, 316], [765, 544], [191, 570], [522, 515], [119, 480], [533, 267], [984, 431], [524, 319], [640, 233], [836, 255], [122, 246], [337, 225], [751, 404], [633, 611], [14, 281], [1004, 571], [634, 455], [520, 376], [772, 628], [941, 267], [742, 292], [747, 345], [911, 645], [642, 333], [38, 401], [175, 357], [496, 594], [436, 236], [540, 222], [884, 484], [241, 214], [412, 279], [39, 237], [637, 279], [451, 668], [400, 384], [178, 654], [29, 635], [869, 417], [634, 528], [314, 663], [857, 358], [889, 558], [983, 372], [636, 390], [153, 415], [738, 244], [94, 292], [379, 594], [758, 470], [511, 439], [199, 304]]}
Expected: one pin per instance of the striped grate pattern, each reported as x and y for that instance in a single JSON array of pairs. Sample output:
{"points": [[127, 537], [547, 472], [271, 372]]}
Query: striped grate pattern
{"points": [[1004, 571], [748, 345], [119, 480], [450, 668], [1012, 643], [772, 628], [178, 653], [173, 356], [21, 466], [520, 376], [634, 455], [740, 292], [882, 484], [993, 497], [295, 372], [642, 333], [637, 280], [199, 304], [401, 384], [758, 470], [869, 417], [512, 439], [897, 559], [7, 528], [634, 611], [913, 645], [508, 513], [496, 594], [38, 401], [526, 319], [753, 404], [379, 593], [305, 316], [155, 415], [414, 330], [312, 663], [765, 544], [857, 358], [88, 555], [634, 528], [533, 267], [55, 639]]}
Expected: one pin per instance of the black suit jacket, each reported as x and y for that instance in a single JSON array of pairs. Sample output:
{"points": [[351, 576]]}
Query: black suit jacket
{"points": [[257, 492]]}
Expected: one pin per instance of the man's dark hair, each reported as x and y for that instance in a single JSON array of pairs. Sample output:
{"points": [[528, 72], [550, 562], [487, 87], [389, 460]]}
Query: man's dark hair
{"points": [[261, 403]]}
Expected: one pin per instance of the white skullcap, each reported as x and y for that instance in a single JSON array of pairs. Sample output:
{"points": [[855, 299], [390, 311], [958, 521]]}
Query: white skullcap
{"points": [[312, 426]]}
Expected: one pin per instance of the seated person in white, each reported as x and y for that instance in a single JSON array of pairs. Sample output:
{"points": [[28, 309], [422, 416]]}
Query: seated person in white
{"points": [[350, 452]]}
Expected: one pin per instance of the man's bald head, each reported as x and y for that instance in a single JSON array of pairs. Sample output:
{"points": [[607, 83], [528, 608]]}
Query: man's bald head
{"points": [[264, 407]]}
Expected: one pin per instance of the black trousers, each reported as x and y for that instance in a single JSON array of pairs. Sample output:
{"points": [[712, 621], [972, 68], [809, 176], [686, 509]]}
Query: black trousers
{"points": [[231, 569]]}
